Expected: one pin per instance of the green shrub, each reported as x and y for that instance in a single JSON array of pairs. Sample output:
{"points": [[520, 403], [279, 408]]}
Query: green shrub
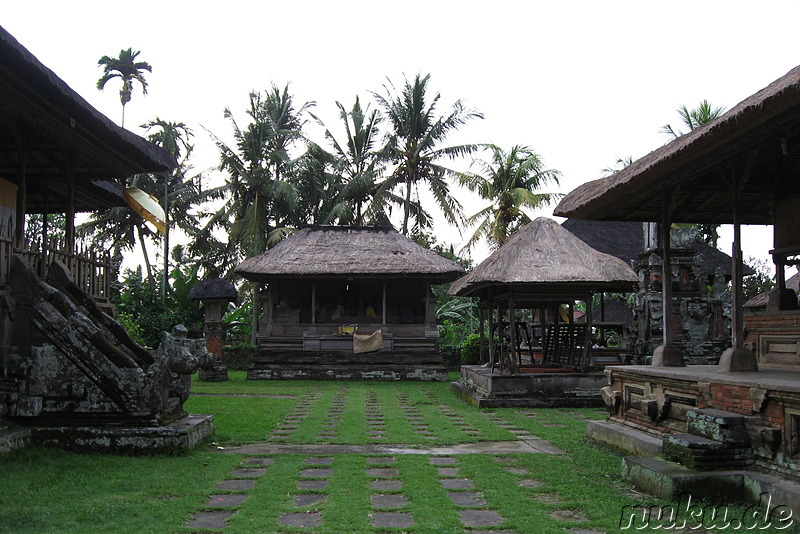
{"points": [[132, 327], [239, 357], [471, 350]]}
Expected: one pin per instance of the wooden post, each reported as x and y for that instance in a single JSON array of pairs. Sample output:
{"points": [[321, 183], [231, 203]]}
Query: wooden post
{"points": [[512, 357], [313, 302], [22, 195], [492, 331], [383, 304], [499, 311], [482, 353], [666, 272], [587, 348], [737, 317]]}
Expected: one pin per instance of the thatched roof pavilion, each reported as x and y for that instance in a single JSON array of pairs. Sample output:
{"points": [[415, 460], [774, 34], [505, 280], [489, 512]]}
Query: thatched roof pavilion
{"points": [[65, 137], [544, 258], [543, 265], [325, 283], [625, 240], [740, 168], [757, 132], [319, 251]]}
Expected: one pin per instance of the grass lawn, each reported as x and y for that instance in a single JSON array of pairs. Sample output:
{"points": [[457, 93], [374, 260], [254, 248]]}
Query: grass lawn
{"points": [[44, 491]]}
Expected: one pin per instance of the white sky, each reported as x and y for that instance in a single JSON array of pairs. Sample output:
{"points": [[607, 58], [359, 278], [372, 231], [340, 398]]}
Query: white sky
{"points": [[581, 82]]}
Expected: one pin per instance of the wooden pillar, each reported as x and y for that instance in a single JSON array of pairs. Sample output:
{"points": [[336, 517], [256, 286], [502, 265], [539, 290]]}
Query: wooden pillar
{"points": [[383, 304], [512, 357], [22, 195], [737, 317], [587, 348], [269, 313], [69, 233], [667, 354], [666, 274], [492, 333], [499, 327], [482, 336], [313, 302]]}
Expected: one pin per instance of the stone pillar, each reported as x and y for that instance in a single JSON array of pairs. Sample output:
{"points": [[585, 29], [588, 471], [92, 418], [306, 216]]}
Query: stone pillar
{"points": [[215, 294], [214, 310]]}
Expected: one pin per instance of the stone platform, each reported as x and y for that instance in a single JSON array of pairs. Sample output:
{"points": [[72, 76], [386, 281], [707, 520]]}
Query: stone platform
{"points": [[178, 436], [436, 373], [483, 388], [13, 439]]}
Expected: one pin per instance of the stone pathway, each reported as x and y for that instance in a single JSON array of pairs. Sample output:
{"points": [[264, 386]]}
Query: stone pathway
{"points": [[389, 507]]}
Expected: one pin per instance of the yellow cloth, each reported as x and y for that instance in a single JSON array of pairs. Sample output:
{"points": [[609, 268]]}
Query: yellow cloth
{"points": [[368, 343]]}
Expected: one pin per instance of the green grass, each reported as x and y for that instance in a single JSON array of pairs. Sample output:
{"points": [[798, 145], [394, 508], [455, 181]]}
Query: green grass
{"points": [[45, 490]]}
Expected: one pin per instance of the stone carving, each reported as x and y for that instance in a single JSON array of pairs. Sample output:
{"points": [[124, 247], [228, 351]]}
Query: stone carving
{"points": [[74, 366]]}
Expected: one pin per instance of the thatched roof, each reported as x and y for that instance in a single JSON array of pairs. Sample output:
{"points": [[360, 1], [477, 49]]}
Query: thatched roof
{"points": [[334, 251], [625, 240], [212, 289], [55, 121], [544, 256], [761, 300], [758, 135]]}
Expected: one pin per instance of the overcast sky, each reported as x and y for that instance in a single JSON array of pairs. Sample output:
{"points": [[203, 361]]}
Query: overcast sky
{"points": [[581, 82]]}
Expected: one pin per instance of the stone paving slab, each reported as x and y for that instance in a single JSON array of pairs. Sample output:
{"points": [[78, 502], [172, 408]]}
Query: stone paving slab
{"points": [[386, 485], [447, 471], [466, 498], [312, 484], [209, 520], [483, 447], [480, 518], [442, 461], [378, 460], [316, 473], [258, 461], [302, 520], [308, 499], [389, 501], [382, 472], [237, 484], [392, 520], [226, 500], [246, 472], [456, 483]]}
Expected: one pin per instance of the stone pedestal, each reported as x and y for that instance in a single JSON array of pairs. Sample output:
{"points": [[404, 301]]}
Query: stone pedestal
{"points": [[215, 294], [667, 356]]}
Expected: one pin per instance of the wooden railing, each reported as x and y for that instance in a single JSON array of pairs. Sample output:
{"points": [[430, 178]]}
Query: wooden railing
{"points": [[90, 270]]}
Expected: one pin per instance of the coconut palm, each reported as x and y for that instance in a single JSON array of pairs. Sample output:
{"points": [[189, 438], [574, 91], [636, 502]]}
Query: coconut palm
{"points": [[692, 118], [414, 144], [358, 167], [509, 181], [126, 68]]}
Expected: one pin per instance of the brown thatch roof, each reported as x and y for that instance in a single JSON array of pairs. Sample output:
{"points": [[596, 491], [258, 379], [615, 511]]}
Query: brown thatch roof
{"points": [[544, 256], [55, 121], [214, 288], [761, 300], [333, 251], [762, 130], [625, 240]]}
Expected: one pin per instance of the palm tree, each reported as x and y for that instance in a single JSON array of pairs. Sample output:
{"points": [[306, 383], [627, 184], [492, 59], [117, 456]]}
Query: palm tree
{"points": [[414, 144], [358, 167], [259, 196], [692, 118], [179, 190], [127, 69], [509, 182]]}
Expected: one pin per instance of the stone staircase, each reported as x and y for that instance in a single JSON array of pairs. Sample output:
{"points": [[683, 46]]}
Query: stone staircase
{"points": [[715, 440]]}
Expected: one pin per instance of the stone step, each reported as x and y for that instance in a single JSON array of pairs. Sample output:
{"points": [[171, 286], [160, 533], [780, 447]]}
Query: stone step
{"points": [[718, 425], [698, 452], [13, 439]]}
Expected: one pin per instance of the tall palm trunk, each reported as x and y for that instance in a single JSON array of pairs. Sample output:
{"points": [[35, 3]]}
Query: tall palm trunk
{"points": [[407, 208], [146, 258]]}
